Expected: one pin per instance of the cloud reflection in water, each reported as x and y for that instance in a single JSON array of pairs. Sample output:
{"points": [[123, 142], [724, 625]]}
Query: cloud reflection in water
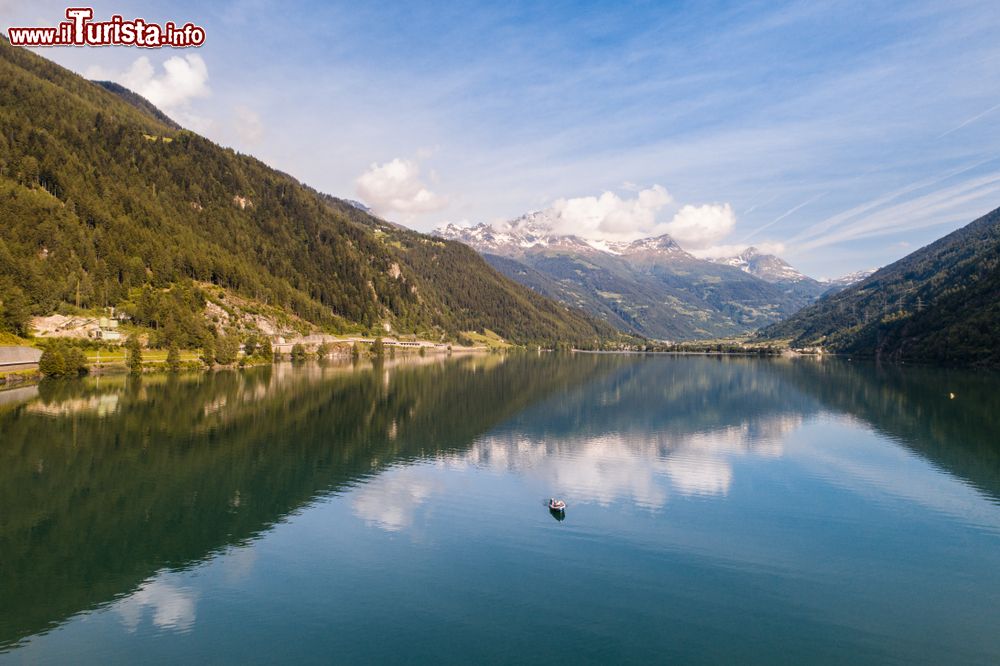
{"points": [[638, 467], [390, 499], [644, 468], [172, 606]]}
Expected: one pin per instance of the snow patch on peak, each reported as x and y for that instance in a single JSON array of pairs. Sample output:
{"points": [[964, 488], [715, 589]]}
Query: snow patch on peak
{"points": [[534, 231], [604, 246], [767, 267], [657, 243], [849, 279]]}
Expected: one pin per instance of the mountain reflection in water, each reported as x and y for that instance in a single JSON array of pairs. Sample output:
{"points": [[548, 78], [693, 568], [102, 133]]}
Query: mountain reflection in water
{"points": [[113, 487]]}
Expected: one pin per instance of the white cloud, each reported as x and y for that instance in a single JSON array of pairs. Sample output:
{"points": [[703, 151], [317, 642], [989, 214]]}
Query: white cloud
{"points": [[396, 187], [971, 120], [951, 204], [183, 79], [699, 227], [248, 125], [610, 217]]}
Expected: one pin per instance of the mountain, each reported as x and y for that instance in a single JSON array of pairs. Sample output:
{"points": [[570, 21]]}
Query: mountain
{"points": [[937, 304], [360, 206], [777, 271], [533, 232], [528, 232], [104, 203], [836, 284], [765, 266], [650, 286]]}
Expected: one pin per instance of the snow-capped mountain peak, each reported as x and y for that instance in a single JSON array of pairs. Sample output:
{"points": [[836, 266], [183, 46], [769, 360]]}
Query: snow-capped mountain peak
{"points": [[660, 244], [849, 279], [530, 231], [767, 267]]}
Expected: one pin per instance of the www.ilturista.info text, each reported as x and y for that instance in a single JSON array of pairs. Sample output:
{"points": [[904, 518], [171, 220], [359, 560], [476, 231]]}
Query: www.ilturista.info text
{"points": [[80, 30]]}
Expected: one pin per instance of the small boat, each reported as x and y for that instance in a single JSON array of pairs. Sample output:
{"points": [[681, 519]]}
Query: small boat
{"points": [[556, 505]]}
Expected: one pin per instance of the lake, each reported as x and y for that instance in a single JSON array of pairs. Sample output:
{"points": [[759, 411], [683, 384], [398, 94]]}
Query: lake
{"points": [[720, 509]]}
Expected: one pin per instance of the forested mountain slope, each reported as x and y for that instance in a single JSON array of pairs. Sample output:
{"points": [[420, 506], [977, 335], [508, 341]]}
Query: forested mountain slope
{"points": [[940, 303], [99, 198]]}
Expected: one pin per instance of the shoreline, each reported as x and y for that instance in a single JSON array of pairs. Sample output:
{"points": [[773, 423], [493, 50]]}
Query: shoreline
{"points": [[341, 356]]}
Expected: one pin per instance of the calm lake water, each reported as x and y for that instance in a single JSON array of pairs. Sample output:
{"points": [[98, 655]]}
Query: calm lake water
{"points": [[720, 510]]}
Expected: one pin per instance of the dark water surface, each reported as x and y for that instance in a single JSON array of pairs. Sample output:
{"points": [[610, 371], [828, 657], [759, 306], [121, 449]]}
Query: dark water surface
{"points": [[720, 510]]}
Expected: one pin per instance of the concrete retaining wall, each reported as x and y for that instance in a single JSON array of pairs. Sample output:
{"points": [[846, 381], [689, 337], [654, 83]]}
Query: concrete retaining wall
{"points": [[19, 356]]}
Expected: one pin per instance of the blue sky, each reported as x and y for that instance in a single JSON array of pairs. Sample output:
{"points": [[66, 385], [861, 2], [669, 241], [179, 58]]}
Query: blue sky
{"points": [[843, 135]]}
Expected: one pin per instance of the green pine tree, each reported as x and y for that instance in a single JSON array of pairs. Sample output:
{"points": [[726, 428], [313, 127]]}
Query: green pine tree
{"points": [[208, 351], [134, 351], [15, 309], [173, 359], [264, 349]]}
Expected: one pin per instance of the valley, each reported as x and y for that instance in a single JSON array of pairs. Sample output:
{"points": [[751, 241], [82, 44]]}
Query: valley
{"points": [[649, 287]]}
